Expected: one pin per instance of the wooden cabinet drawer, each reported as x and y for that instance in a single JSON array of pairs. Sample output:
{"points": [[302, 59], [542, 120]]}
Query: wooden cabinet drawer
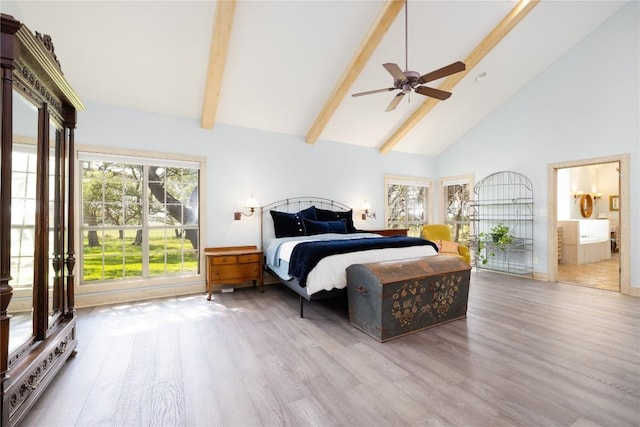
{"points": [[242, 259], [228, 259], [247, 271]]}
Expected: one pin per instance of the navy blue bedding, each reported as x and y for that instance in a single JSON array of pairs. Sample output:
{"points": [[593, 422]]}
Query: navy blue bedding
{"points": [[306, 255]]}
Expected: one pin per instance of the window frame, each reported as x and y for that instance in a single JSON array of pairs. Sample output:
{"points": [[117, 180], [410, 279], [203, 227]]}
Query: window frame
{"points": [[442, 202], [106, 287], [410, 181]]}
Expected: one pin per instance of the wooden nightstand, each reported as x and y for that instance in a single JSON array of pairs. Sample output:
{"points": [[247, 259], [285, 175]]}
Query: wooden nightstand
{"points": [[390, 231], [233, 265]]}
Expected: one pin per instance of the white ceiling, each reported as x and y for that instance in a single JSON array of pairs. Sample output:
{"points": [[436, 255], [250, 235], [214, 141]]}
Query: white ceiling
{"points": [[286, 57]]}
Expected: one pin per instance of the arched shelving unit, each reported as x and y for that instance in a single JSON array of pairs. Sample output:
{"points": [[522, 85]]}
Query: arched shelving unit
{"points": [[503, 199]]}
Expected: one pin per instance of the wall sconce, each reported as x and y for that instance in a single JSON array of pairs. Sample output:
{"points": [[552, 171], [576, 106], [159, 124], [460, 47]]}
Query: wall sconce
{"points": [[596, 197], [577, 196], [366, 206], [252, 204]]}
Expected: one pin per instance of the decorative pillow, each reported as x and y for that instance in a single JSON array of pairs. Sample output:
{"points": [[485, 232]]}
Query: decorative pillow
{"points": [[327, 215], [309, 213], [287, 224], [290, 224], [448, 247], [320, 227]]}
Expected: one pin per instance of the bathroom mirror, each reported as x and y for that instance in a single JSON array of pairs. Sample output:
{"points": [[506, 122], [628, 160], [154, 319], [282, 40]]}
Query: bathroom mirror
{"points": [[586, 205]]}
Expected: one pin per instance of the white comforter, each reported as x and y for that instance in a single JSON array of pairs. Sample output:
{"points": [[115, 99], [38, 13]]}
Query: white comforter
{"points": [[331, 271]]}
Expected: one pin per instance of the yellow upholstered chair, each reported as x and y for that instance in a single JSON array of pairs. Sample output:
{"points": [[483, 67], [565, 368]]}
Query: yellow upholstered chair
{"points": [[441, 235]]}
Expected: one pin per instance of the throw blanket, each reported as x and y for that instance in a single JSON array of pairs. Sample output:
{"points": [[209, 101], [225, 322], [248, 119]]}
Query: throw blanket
{"points": [[306, 255]]}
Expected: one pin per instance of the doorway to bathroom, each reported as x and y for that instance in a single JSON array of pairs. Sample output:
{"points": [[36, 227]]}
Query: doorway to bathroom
{"points": [[588, 226], [587, 221]]}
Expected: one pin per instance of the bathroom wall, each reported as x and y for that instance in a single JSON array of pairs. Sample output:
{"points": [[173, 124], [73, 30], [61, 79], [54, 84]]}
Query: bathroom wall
{"points": [[593, 179]]}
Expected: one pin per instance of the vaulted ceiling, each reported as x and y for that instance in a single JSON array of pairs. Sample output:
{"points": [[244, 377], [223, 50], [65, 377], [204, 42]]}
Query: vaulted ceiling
{"points": [[291, 66]]}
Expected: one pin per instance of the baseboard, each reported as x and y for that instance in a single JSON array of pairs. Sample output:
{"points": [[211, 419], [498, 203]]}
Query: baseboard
{"points": [[130, 295], [541, 276]]}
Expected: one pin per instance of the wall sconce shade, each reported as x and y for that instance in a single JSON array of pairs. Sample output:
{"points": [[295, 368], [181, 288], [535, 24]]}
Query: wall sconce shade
{"points": [[366, 207], [252, 204]]}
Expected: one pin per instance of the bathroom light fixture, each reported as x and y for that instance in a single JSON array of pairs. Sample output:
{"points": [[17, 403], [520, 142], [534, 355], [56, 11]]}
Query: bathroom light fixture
{"points": [[252, 204], [596, 197], [366, 206], [577, 196]]}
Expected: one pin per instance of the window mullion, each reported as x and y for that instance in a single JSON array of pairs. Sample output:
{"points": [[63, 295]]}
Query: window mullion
{"points": [[145, 221]]}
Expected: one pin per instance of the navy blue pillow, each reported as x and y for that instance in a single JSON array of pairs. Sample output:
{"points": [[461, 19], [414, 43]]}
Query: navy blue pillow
{"points": [[309, 213], [327, 215], [321, 227], [290, 224]]}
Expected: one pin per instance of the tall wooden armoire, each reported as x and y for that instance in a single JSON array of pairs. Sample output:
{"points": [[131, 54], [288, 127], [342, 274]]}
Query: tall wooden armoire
{"points": [[37, 256]]}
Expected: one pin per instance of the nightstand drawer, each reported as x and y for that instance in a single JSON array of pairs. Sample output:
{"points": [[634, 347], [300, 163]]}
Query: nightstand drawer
{"points": [[249, 271], [217, 260], [242, 259]]}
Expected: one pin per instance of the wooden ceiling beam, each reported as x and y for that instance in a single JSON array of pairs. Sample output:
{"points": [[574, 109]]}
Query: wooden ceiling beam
{"points": [[380, 27], [507, 24], [217, 57]]}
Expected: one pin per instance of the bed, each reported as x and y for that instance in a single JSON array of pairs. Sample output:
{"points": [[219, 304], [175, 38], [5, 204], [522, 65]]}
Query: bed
{"points": [[309, 242]]}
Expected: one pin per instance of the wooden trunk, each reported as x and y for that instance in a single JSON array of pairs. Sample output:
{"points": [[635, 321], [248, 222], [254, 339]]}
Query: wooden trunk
{"points": [[391, 299]]}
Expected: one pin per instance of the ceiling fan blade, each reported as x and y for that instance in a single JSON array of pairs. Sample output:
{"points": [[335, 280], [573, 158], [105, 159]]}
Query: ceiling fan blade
{"points": [[395, 71], [434, 93], [456, 67], [395, 101], [389, 89]]}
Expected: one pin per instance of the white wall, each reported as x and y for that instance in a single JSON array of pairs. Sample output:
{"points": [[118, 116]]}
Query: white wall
{"points": [[586, 105], [242, 161], [608, 185], [564, 194]]}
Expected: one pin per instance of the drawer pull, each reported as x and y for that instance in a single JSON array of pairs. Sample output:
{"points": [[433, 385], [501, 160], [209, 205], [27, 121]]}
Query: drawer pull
{"points": [[361, 289]]}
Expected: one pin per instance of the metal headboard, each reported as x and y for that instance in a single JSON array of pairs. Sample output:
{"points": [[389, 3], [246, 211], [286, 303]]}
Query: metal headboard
{"points": [[292, 205]]}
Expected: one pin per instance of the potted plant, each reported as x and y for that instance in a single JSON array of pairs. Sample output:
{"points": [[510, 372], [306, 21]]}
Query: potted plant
{"points": [[482, 252], [500, 235]]}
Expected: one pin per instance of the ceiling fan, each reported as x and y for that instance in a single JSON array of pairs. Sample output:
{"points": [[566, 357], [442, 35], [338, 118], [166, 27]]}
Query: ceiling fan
{"points": [[407, 80]]}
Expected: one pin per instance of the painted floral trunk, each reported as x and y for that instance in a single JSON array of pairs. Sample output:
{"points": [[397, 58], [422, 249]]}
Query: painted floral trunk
{"points": [[391, 299]]}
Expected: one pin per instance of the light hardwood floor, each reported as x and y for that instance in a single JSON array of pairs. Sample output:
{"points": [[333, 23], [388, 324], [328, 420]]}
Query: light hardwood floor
{"points": [[529, 353]]}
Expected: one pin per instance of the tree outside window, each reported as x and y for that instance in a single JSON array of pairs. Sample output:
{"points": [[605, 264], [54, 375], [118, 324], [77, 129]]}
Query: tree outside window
{"points": [[407, 204], [456, 201], [139, 219]]}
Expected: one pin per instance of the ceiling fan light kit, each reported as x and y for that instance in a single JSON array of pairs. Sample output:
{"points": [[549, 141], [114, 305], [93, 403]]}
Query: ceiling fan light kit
{"points": [[408, 80]]}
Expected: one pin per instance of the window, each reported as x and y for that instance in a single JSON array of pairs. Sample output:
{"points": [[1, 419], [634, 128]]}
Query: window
{"points": [[455, 206], [140, 217], [408, 203]]}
